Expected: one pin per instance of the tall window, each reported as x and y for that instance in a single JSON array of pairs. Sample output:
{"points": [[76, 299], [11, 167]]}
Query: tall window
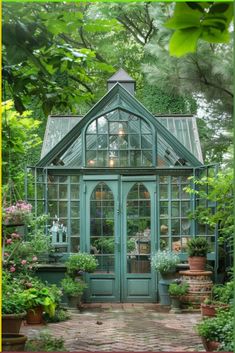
{"points": [[119, 139]]}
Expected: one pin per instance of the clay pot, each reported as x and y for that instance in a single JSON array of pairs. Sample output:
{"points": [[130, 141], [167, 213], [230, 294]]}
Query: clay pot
{"points": [[11, 323], [13, 342], [210, 309], [34, 316], [210, 346], [197, 263]]}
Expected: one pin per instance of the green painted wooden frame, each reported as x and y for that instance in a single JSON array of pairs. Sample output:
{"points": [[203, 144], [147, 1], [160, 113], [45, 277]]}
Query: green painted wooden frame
{"points": [[138, 109]]}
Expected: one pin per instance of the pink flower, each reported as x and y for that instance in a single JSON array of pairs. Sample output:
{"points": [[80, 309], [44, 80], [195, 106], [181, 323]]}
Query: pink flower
{"points": [[15, 236], [34, 258], [23, 262], [6, 254], [12, 269], [9, 241]]}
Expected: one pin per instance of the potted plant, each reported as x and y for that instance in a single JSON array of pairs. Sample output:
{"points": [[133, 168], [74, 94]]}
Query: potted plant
{"points": [[176, 290], [38, 300], [165, 261], [13, 305], [197, 249], [74, 290], [221, 298], [80, 263]]}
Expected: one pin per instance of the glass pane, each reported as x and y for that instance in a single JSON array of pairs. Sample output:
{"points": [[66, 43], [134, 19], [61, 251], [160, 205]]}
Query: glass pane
{"points": [[145, 128], [74, 191], [91, 142], [102, 142], [146, 142], [75, 227], [163, 209], [176, 244], [63, 179], [40, 191], [92, 128], [147, 159], [106, 264], [175, 227], [175, 191], [185, 208], [163, 191], [75, 244], [134, 141], [134, 125], [74, 178], [113, 142], [138, 229], [185, 226], [123, 158], [123, 142], [164, 243], [52, 208], [102, 225], [75, 209], [164, 229], [102, 158], [163, 179], [175, 206], [135, 158], [63, 209], [52, 191], [102, 125], [91, 158], [63, 191]]}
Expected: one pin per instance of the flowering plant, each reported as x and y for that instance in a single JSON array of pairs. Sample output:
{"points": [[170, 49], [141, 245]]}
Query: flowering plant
{"points": [[164, 261], [18, 256], [19, 213]]}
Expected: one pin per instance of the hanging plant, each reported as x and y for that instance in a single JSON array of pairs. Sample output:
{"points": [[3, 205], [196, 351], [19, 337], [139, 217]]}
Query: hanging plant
{"points": [[18, 213]]}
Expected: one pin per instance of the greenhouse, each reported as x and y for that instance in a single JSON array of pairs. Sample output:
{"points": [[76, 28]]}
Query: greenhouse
{"points": [[113, 183]]}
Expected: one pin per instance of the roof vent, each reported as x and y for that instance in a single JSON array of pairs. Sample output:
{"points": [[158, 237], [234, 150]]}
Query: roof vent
{"points": [[122, 77]]}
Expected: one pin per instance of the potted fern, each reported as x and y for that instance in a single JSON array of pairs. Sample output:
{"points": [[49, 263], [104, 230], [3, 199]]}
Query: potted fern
{"points": [[177, 289], [197, 249], [74, 290]]}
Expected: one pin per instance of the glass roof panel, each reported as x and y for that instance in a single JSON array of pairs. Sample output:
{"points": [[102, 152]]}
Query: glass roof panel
{"points": [[57, 127], [166, 156], [184, 128], [72, 157]]}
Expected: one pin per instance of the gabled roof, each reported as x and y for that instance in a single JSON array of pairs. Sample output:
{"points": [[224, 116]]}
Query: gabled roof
{"points": [[118, 97], [121, 76]]}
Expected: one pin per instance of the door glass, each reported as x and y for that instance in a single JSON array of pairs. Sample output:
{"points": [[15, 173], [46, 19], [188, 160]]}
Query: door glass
{"points": [[138, 245], [102, 227]]}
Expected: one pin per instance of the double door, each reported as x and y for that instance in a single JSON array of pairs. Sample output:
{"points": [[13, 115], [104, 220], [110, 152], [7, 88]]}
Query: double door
{"points": [[121, 233]]}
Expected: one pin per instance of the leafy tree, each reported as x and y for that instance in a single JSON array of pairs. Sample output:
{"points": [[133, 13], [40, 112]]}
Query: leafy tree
{"points": [[192, 21], [19, 145], [219, 192]]}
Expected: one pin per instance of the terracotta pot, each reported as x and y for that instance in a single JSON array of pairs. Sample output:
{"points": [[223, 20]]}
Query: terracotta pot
{"points": [[210, 346], [210, 309], [11, 323], [13, 342], [197, 263], [34, 315]]}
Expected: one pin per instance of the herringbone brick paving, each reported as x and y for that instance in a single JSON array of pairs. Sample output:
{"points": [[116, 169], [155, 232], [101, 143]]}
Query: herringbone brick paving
{"points": [[123, 328]]}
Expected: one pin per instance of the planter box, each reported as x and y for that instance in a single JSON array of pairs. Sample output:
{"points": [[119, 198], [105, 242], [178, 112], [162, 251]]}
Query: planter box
{"points": [[13, 342], [11, 323]]}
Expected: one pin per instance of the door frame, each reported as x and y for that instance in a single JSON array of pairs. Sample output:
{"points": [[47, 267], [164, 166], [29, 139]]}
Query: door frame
{"points": [[120, 186]]}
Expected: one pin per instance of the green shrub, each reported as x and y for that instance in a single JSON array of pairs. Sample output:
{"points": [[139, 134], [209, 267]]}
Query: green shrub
{"points": [[13, 300], [40, 297], [197, 247], [219, 328], [73, 288], [178, 289], [60, 315], [164, 261], [81, 262], [45, 343]]}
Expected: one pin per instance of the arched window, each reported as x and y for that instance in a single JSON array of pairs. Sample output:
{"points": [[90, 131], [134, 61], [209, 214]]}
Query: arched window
{"points": [[119, 139]]}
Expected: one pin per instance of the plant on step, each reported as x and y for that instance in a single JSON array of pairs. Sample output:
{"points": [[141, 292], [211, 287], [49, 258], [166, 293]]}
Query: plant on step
{"points": [[45, 343], [164, 261], [60, 315], [13, 300], [197, 247], [223, 293], [219, 329], [178, 288], [36, 297], [81, 262], [73, 288]]}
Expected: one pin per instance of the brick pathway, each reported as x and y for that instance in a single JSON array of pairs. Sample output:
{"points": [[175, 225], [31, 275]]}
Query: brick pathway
{"points": [[123, 328]]}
